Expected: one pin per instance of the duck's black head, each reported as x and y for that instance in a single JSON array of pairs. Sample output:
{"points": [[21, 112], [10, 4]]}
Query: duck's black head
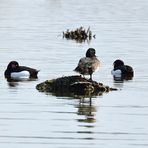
{"points": [[12, 66], [118, 63], [91, 53]]}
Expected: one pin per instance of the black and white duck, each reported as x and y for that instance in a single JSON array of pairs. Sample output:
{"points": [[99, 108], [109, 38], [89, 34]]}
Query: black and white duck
{"points": [[15, 71]]}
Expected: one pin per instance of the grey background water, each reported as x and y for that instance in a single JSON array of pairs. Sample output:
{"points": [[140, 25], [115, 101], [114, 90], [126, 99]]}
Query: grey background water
{"points": [[31, 33]]}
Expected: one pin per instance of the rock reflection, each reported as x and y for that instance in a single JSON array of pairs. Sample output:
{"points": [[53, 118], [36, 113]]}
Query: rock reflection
{"points": [[75, 95], [88, 110]]}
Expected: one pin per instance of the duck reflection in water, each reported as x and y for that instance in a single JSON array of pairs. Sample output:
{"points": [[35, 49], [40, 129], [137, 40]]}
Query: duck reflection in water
{"points": [[122, 78], [15, 82], [86, 109]]}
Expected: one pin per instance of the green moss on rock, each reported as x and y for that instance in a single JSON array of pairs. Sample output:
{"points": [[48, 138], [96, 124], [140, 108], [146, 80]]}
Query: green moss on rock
{"points": [[73, 85]]}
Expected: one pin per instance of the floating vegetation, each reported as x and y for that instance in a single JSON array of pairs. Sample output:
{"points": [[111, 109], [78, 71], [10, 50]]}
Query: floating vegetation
{"points": [[73, 86], [80, 34]]}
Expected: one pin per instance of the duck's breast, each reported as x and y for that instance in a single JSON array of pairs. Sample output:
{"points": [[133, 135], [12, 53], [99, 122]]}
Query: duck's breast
{"points": [[117, 72]]}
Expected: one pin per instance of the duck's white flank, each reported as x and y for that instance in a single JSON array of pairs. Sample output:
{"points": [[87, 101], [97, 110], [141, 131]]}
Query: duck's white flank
{"points": [[117, 72], [22, 74]]}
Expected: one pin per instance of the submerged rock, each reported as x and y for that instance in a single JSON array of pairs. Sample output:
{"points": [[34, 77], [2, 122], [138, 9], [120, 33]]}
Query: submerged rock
{"points": [[73, 86]]}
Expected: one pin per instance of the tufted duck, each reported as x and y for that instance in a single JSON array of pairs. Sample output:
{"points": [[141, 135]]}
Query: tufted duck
{"points": [[121, 70], [15, 71], [89, 64]]}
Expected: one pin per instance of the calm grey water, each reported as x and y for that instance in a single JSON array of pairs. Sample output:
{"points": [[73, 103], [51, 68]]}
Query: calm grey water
{"points": [[31, 33]]}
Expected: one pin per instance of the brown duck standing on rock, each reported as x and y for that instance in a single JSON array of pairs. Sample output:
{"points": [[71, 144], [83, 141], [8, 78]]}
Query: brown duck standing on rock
{"points": [[89, 64]]}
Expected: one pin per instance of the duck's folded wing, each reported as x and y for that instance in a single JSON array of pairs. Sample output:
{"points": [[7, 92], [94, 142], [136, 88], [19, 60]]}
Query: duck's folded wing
{"points": [[86, 65], [33, 72], [83, 65]]}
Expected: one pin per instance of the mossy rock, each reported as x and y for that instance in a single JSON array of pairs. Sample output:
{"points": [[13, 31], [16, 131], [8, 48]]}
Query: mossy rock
{"points": [[73, 85]]}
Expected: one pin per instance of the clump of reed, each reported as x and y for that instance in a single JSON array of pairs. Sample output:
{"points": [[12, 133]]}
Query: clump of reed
{"points": [[79, 34]]}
